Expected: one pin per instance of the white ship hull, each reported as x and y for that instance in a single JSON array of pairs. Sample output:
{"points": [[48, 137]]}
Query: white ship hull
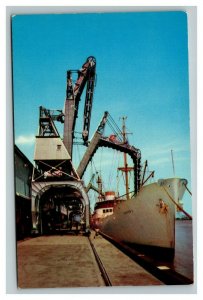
{"points": [[147, 219]]}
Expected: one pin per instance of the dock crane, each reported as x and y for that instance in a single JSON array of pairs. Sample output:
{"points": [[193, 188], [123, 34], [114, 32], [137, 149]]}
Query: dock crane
{"points": [[54, 176], [86, 77], [46, 157]]}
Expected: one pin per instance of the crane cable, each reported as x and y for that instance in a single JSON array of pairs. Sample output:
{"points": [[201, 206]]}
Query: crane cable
{"points": [[116, 126], [78, 152], [113, 129]]}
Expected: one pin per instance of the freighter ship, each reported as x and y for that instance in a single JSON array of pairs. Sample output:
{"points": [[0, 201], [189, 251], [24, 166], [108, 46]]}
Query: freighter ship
{"points": [[147, 219]]}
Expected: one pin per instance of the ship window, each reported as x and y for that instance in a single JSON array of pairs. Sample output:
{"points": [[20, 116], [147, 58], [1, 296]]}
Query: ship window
{"points": [[107, 210], [104, 210]]}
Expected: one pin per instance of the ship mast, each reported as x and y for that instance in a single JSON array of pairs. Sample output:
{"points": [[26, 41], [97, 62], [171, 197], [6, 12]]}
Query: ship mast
{"points": [[99, 182], [125, 169]]}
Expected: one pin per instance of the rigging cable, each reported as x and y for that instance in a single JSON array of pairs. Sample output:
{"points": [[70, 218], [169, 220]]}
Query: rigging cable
{"points": [[94, 166], [112, 169], [101, 157], [118, 173]]}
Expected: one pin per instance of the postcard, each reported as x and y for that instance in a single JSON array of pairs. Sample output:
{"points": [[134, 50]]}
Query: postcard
{"points": [[102, 149]]}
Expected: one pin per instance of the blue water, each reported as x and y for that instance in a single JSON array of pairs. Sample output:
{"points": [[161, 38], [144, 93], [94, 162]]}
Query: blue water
{"points": [[183, 261]]}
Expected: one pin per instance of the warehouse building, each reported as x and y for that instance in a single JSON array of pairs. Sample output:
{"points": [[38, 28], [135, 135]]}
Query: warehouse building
{"points": [[23, 177]]}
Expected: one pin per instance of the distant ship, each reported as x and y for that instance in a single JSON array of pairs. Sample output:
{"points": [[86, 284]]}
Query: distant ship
{"points": [[104, 208]]}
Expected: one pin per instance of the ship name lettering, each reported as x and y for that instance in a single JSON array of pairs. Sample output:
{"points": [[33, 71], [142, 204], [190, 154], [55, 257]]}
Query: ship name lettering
{"points": [[128, 211]]}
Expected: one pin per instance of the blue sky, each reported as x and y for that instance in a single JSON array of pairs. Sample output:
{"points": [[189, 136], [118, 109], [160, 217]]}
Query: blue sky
{"points": [[142, 73]]}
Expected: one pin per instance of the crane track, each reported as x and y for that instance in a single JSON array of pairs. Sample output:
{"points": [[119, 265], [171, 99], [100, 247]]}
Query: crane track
{"points": [[100, 265]]}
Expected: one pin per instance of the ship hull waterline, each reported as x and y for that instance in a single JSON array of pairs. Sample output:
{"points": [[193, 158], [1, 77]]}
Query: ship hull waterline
{"points": [[148, 219]]}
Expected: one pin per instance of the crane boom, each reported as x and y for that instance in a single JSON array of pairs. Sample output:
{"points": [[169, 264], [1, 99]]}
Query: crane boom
{"points": [[92, 146], [99, 141], [86, 76]]}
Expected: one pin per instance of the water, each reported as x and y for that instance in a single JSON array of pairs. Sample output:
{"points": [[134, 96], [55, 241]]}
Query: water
{"points": [[183, 261]]}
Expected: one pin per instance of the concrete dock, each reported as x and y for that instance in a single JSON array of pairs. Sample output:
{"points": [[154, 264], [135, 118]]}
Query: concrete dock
{"points": [[122, 270], [68, 261]]}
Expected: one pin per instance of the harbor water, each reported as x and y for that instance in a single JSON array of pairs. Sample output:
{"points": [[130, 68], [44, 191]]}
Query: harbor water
{"points": [[183, 261]]}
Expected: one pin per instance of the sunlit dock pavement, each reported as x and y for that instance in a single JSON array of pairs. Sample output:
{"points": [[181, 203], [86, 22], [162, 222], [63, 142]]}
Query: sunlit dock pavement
{"points": [[122, 269], [68, 261], [57, 261]]}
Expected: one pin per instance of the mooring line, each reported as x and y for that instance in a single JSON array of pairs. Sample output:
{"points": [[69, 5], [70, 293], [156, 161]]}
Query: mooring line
{"points": [[179, 207]]}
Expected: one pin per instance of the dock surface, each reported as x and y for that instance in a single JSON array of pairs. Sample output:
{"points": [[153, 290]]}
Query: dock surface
{"points": [[68, 261]]}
